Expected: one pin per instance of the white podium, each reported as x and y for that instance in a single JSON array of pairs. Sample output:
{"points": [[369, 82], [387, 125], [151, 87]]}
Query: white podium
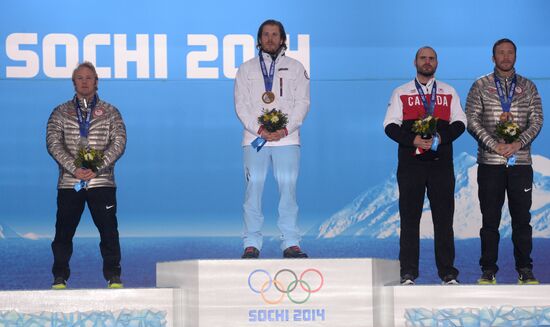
{"points": [[87, 307], [305, 292], [471, 305], [298, 292]]}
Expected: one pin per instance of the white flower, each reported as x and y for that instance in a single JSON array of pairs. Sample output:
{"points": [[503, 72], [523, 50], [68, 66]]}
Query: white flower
{"points": [[510, 130], [88, 157]]}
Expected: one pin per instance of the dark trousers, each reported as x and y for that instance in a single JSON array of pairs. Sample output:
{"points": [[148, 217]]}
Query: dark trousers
{"points": [[439, 181], [516, 182], [70, 206]]}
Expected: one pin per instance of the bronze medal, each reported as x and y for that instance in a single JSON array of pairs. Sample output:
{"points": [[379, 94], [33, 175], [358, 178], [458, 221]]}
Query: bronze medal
{"points": [[506, 116], [268, 97]]}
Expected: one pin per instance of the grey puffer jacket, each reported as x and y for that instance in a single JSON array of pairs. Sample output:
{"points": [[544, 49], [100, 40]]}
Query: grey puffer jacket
{"points": [[483, 110], [107, 133]]}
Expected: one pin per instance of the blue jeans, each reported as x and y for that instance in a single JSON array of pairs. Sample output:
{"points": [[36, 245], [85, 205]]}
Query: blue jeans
{"points": [[286, 162]]}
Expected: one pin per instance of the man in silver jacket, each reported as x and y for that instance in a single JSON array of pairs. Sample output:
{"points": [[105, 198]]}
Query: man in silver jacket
{"points": [[98, 125], [504, 167]]}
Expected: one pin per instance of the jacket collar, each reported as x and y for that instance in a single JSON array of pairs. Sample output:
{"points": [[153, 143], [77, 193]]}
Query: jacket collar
{"points": [[268, 58], [502, 77], [428, 85], [75, 99]]}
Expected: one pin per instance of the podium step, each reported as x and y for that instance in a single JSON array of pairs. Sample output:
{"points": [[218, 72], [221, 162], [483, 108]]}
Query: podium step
{"points": [[471, 305], [93, 307], [284, 292]]}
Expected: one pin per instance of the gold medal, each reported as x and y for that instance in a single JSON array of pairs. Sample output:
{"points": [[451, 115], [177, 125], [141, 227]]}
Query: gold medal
{"points": [[268, 97]]}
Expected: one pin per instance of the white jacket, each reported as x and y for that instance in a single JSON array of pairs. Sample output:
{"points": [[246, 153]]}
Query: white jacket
{"points": [[291, 89]]}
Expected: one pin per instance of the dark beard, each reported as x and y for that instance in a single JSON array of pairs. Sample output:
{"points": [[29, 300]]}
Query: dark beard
{"points": [[275, 53], [425, 74]]}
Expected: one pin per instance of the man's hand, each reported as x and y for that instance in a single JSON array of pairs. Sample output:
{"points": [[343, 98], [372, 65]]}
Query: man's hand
{"points": [[85, 174], [273, 137], [508, 150], [421, 143], [278, 134], [266, 136], [511, 149], [500, 148]]}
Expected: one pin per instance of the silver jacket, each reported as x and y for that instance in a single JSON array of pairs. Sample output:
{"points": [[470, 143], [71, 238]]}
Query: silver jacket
{"points": [[483, 110], [107, 133]]}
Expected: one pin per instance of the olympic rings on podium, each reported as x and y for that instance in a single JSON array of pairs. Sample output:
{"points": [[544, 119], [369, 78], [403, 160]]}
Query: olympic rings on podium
{"points": [[282, 288]]}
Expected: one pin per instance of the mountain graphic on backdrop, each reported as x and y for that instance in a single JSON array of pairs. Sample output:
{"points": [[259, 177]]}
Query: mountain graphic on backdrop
{"points": [[7, 233], [375, 213]]}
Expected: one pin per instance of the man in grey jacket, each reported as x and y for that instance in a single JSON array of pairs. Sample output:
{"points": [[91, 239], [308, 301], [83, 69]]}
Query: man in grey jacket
{"points": [[504, 167], [86, 122]]}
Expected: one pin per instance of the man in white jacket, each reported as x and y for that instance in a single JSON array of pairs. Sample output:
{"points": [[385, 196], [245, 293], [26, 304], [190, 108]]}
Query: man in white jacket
{"points": [[271, 81]]}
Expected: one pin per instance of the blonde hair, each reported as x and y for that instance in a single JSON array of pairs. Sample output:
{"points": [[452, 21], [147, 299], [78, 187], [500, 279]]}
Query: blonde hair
{"points": [[90, 66]]}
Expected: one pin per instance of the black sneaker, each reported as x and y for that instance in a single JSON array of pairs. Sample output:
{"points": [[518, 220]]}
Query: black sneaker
{"points": [[449, 280], [487, 278], [59, 283], [251, 253], [294, 252], [526, 277], [407, 279], [115, 282]]}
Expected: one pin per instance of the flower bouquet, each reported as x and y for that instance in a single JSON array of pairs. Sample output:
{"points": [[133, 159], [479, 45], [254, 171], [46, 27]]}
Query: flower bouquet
{"points": [[426, 128], [509, 132], [272, 121], [89, 159]]}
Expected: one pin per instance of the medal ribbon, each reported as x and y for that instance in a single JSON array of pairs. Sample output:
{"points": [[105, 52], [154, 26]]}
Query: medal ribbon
{"points": [[429, 108], [268, 78], [258, 143], [505, 102], [84, 124]]}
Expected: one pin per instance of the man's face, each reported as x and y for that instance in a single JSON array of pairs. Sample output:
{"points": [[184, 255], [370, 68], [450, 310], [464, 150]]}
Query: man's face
{"points": [[84, 82], [426, 62], [504, 57], [270, 39]]}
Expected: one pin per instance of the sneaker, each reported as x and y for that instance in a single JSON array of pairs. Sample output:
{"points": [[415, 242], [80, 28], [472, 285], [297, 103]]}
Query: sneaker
{"points": [[59, 283], [251, 253], [526, 277], [115, 282], [450, 280], [407, 279], [294, 252], [487, 278]]}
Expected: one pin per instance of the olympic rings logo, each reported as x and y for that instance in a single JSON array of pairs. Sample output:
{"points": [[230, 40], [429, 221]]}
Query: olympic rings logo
{"points": [[286, 282]]}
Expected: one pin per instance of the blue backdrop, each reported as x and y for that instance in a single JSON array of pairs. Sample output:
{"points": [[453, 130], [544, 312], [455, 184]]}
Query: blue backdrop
{"points": [[168, 67]]}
